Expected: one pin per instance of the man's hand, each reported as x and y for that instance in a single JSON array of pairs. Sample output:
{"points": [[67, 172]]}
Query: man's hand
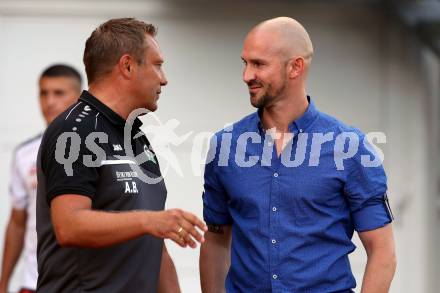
{"points": [[179, 226]]}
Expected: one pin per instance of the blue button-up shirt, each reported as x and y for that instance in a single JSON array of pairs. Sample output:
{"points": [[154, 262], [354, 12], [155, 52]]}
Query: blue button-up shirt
{"points": [[293, 216]]}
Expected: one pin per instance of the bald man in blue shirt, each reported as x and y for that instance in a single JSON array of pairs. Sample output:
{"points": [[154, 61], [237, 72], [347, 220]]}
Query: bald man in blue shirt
{"points": [[287, 186]]}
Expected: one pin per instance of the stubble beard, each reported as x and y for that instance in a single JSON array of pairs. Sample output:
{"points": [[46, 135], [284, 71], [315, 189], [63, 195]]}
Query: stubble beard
{"points": [[267, 99]]}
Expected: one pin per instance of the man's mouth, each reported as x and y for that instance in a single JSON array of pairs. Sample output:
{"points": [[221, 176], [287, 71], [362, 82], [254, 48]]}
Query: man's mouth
{"points": [[254, 88]]}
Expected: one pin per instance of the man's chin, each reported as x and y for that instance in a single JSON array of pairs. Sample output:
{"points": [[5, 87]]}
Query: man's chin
{"points": [[256, 101], [151, 108], [49, 118]]}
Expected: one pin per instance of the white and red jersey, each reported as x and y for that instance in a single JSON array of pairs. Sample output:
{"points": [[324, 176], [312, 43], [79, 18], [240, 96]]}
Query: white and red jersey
{"points": [[23, 191]]}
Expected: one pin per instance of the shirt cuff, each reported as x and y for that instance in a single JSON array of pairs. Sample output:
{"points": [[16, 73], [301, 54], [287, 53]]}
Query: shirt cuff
{"points": [[213, 217], [19, 203], [372, 217]]}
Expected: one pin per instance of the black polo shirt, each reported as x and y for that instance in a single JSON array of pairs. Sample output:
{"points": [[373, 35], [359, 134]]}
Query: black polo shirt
{"points": [[83, 152]]}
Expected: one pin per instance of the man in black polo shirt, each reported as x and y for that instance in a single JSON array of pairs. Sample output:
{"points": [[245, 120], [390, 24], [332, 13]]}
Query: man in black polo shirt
{"points": [[100, 199]]}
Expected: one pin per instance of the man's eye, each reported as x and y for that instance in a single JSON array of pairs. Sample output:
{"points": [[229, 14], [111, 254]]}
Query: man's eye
{"points": [[59, 93]]}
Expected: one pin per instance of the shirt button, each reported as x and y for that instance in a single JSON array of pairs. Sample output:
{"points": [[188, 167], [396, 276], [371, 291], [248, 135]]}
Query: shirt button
{"points": [[300, 130], [275, 175], [274, 241], [274, 209], [274, 277]]}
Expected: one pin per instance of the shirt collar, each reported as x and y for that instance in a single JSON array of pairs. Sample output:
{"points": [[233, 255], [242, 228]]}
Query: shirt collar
{"points": [[299, 125], [304, 122], [111, 115]]}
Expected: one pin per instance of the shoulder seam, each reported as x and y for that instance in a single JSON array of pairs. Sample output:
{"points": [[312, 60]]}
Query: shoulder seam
{"points": [[71, 110], [27, 142]]}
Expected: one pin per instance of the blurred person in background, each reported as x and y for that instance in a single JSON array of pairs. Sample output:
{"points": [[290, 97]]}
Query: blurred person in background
{"points": [[101, 225], [281, 227], [59, 87]]}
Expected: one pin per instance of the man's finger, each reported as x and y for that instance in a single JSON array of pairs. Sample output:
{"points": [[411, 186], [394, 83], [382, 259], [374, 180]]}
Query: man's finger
{"points": [[178, 239], [188, 239], [195, 221], [191, 230]]}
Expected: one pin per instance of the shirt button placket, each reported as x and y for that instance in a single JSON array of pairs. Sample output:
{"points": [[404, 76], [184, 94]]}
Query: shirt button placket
{"points": [[273, 228]]}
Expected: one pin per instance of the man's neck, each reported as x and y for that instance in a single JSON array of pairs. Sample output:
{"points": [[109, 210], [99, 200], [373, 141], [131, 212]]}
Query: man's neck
{"points": [[113, 97], [283, 112], [280, 115]]}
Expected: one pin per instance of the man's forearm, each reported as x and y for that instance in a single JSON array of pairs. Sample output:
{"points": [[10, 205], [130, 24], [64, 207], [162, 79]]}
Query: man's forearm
{"points": [[215, 259], [379, 273], [89, 228], [14, 238], [168, 282], [76, 224], [381, 263]]}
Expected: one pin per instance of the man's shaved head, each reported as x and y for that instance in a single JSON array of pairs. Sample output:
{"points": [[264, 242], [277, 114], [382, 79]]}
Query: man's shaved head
{"points": [[277, 54], [287, 36]]}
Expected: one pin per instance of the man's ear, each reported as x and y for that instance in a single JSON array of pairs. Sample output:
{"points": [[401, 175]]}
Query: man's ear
{"points": [[296, 67], [126, 66]]}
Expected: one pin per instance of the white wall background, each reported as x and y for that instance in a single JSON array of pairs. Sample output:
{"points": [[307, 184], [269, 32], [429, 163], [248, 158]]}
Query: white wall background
{"points": [[367, 71]]}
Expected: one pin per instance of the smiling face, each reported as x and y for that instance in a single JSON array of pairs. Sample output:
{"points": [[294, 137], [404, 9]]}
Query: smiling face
{"points": [[149, 77], [265, 72], [276, 54]]}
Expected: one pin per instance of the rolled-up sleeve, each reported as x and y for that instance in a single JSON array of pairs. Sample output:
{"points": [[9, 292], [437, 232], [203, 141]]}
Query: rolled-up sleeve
{"points": [[215, 198], [366, 191]]}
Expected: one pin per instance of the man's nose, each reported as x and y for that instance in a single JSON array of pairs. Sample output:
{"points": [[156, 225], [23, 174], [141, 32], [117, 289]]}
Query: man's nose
{"points": [[248, 74], [164, 80], [50, 100]]}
